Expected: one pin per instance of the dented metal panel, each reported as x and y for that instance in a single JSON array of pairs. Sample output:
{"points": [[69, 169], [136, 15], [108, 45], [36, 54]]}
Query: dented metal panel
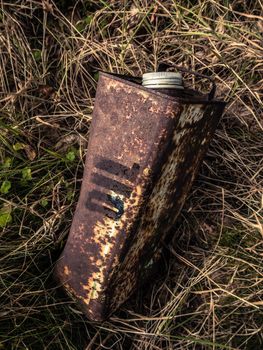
{"points": [[144, 151]]}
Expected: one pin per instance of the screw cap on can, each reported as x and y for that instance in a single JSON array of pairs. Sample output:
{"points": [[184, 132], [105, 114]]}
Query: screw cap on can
{"points": [[163, 80]]}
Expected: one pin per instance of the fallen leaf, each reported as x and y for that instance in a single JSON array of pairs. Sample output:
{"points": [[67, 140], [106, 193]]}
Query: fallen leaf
{"points": [[30, 152]]}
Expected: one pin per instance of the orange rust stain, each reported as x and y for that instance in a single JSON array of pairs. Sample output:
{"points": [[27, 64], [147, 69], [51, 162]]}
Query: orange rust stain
{"points": [[93, 287], [99, 262], [81, 228], [104, 232], [66, 270], [146, 171]]}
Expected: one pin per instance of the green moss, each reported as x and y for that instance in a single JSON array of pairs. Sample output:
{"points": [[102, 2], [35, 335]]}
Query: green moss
{"points": [[231, 238]]}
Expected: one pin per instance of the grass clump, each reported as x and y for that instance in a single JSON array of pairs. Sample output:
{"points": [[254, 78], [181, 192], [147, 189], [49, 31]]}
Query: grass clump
{"points": [[209, 294]]}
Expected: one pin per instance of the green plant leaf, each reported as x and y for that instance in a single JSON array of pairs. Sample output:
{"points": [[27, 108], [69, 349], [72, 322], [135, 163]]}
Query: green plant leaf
{"points": [[5, 218], [70, 195], [88, 19], [7, 163], [71, 156], [18, 146], [5, 215], [96, 76], [26, 174], [37, 55], [80, 26], [44, 202], [5, 187]]}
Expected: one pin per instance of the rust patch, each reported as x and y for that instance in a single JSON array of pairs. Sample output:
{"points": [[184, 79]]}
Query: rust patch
{"points": [[66, 270]]}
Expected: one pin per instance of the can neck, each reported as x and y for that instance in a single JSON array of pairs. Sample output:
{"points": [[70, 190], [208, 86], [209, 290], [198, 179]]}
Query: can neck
{"points": [[163, 80]]}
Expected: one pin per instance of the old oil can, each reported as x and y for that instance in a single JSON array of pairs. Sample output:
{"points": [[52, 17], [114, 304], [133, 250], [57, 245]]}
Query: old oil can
{"points": [[145, 147]]}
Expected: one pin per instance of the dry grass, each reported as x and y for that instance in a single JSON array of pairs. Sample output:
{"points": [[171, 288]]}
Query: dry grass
{"points": [[210, 294]]}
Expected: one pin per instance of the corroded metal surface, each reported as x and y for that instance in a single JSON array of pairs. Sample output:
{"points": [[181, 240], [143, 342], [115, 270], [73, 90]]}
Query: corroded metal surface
{"points": [[144, 151]]}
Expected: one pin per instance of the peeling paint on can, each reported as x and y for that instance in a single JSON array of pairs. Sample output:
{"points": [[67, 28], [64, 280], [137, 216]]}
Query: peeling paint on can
{"points": [[144, 151]]}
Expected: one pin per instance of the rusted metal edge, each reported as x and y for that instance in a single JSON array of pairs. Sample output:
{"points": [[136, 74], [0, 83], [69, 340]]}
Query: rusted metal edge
{"points": [[204, 101]]}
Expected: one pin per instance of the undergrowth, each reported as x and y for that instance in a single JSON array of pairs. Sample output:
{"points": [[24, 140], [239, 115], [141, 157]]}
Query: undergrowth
{"points": [[210, 294]]}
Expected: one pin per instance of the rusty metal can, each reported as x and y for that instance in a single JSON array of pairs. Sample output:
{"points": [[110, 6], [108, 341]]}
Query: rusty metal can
{"points": [[145, 148]]}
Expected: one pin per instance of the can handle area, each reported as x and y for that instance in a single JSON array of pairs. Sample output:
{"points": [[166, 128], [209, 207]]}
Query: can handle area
{"points": [[211, 93]]}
